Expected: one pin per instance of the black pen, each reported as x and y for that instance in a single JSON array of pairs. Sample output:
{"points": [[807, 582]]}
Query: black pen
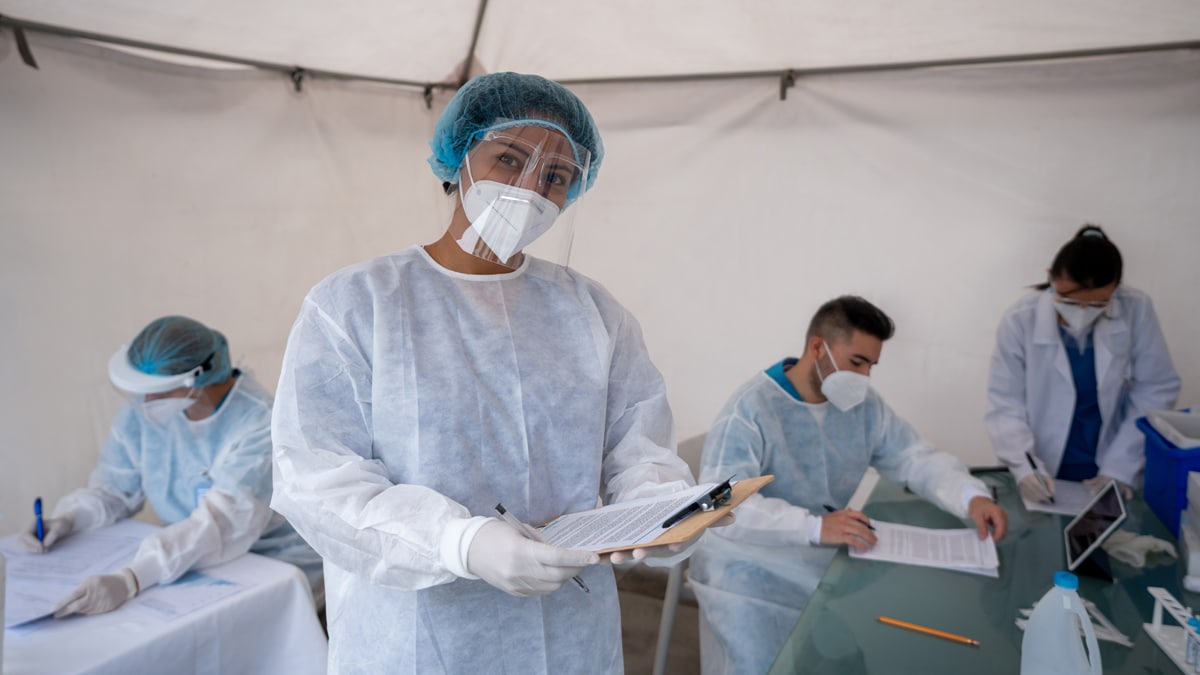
{"points": [[1040, 476], [691, 508], [831, 510]]}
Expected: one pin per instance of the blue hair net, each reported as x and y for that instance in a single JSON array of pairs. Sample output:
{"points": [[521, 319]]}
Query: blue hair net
{"points": [[176, 344], [503, 100]]}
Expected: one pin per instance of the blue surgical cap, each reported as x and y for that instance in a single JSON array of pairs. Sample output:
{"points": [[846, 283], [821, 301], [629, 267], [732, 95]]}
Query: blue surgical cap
{"points": [[176, 344], [503, 100]]}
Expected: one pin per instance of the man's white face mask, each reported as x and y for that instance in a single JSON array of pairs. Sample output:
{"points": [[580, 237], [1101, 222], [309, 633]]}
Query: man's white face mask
{"points": [[843, 388], [505, 217]]}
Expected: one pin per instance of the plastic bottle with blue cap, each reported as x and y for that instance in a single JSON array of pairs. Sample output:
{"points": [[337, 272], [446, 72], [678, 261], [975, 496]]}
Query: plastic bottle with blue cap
{"points": [[1190, 630], [1052, 641], [1193, 633]]}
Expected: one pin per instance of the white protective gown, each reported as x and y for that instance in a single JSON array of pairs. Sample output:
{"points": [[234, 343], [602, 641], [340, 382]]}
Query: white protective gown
{"points": [[1031, 393], [413, 397], [209, 481], [753, 578]]}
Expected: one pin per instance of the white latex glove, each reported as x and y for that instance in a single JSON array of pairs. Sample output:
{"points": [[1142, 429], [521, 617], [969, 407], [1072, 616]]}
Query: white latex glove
{"points": [[1036, 487], [1132, 549], [518, 566], [657, 556], [1096, 484], [54, 529], [668, 555], [98, 594]]}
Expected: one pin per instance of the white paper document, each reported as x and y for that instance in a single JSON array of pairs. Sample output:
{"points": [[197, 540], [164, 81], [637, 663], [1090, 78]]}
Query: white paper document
{"points": [[1070, 499], [37, 581], [639, 521], [186, 594], [959, 550]]}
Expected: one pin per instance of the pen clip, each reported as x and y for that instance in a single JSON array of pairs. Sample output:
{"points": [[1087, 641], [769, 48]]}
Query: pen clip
{"points": [[710, 501], [717, 497]]}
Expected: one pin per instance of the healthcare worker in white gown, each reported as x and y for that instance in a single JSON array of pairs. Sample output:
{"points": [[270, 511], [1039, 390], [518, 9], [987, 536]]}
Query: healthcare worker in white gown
{"points": [[815, 423], [1077, 361], [193, 440], [421, 389]]}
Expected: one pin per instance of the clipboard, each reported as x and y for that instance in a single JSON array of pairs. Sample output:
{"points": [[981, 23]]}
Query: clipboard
{"points": [[699, 521]]}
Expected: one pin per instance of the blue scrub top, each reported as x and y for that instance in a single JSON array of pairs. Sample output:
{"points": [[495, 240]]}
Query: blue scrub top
{"points": [[778, 372], [1079, 458]]}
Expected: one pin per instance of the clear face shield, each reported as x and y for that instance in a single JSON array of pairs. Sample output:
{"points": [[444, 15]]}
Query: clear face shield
{"points": [[158, 399], [514, 188]]}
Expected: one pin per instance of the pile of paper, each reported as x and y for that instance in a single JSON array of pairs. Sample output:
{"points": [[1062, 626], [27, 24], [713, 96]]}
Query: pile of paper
{"points": [[1070, 499], [959, 550]]}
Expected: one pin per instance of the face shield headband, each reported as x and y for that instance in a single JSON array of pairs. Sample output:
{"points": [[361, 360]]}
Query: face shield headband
{"points": [[127, 378]]}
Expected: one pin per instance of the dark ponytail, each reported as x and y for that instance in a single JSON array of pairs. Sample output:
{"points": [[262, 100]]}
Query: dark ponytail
{"points": [[1090, 260]]}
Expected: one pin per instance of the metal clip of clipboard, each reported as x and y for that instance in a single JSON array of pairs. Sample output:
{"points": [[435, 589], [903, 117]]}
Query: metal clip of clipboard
{"points": [[710, 501]]}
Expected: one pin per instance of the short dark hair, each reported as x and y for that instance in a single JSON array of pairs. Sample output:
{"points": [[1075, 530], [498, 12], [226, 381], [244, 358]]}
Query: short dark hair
{"points": [[1090, 259], [840, 317]]}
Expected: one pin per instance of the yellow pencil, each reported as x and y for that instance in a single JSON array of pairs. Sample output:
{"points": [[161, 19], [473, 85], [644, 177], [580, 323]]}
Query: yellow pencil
{"points": [[930, 631]]}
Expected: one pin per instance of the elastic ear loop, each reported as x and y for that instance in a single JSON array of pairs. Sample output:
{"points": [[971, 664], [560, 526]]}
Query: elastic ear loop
{"points": [[831, 360]]}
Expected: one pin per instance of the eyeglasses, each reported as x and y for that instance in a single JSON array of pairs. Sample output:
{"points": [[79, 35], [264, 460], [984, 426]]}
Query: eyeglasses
{"points": [[1075, 303]]}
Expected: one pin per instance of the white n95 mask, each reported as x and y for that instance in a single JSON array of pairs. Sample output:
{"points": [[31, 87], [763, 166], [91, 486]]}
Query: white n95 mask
{"points": [[164, 410], [1079, 318], [843, 388], [504, 217]]}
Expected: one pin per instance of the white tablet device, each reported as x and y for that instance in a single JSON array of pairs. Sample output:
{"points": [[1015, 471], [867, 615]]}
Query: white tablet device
{"points": [[1103, 515]]}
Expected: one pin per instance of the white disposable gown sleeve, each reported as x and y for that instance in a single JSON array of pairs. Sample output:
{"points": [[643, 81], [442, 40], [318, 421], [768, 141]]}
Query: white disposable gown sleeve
{"points": [[640, 460], [222, 527], [114, 490], [226, 523], [736, 447], [343, 503], [229, 518], [900, 455]]}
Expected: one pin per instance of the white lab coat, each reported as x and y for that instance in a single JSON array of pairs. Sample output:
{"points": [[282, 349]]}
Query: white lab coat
{"points": [[1031, 393]]}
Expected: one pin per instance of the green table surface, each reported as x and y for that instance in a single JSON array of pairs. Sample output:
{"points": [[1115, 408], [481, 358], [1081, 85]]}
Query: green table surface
{"points": [[839, 631]]}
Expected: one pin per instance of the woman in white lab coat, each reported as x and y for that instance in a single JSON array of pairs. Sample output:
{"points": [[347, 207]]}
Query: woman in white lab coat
{"points": [[1077, 361]]}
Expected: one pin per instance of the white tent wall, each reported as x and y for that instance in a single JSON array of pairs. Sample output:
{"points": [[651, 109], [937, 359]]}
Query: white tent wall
{"points": [[722, 217], [131, 189]]}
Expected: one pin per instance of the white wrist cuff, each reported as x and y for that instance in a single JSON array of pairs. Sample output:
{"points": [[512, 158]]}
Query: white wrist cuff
{"points": [[145, 571], [814, 529], [456, 543], [971, 491], [131, 583]]}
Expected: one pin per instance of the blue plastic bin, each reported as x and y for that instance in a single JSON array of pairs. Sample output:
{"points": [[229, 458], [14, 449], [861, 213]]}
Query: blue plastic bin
{"points": [[1167, 468]]}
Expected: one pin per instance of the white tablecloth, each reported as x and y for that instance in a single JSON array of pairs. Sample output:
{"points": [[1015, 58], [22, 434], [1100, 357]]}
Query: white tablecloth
{"points": [[268, 626]]}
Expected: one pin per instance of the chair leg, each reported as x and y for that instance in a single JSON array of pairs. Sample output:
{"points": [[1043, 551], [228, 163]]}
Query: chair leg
{"points": [[666, 624]]}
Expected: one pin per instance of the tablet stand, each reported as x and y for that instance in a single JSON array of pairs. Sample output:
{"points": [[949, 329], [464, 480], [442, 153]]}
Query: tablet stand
{"points": [[1096, 565]]}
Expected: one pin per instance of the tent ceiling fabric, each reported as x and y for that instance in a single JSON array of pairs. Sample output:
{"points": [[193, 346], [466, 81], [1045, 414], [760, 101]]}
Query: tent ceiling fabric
{"points": [[426, 41]]}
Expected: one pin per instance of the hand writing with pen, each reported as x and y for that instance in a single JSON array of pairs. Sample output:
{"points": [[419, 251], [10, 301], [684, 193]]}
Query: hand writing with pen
{"points": [[847, 526]]}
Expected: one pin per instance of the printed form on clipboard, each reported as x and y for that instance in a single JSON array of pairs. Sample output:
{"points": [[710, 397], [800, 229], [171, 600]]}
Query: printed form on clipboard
{"points": [[653, 521]]}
